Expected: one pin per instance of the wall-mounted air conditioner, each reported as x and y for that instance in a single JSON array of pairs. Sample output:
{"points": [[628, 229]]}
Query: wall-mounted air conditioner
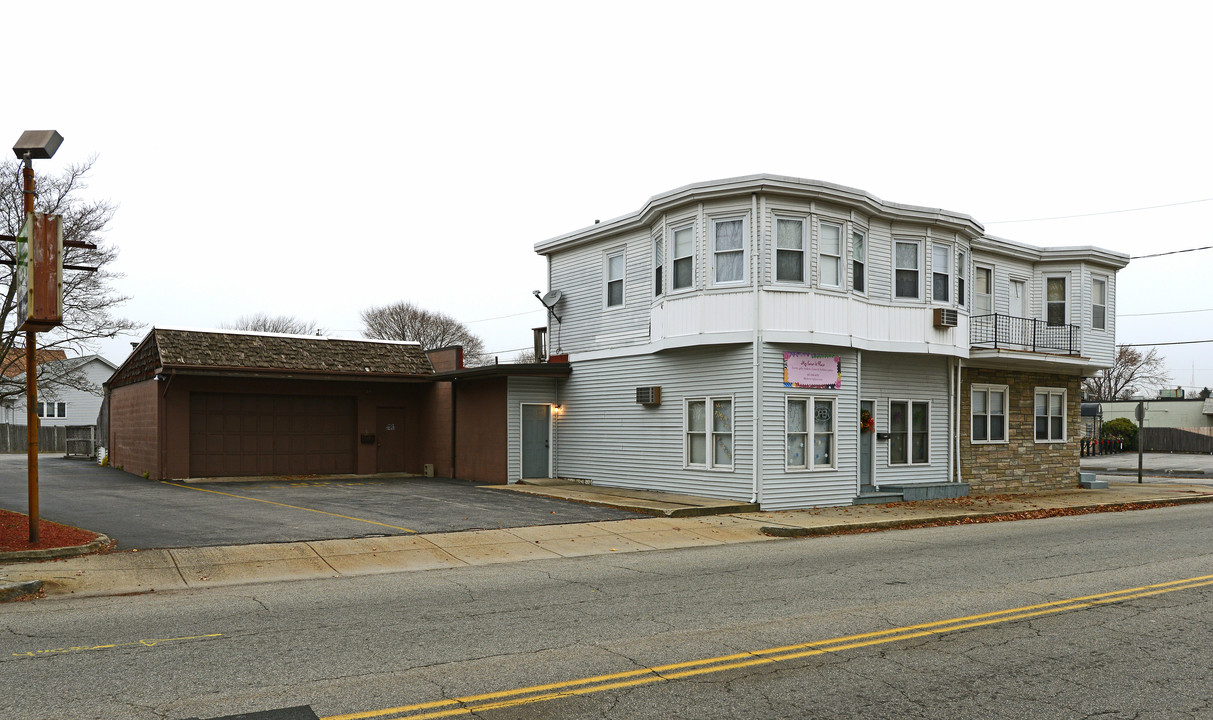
{"points": [[945, 318], [648, 395]]}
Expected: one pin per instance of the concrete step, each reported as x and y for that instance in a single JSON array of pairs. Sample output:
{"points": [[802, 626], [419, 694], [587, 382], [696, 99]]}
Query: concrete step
{"points": [[877, 497], [929, 491]]}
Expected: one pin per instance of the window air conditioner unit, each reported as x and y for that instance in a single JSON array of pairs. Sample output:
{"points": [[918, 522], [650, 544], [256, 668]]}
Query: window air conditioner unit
{"points": [[945, 318], [648, 395]]}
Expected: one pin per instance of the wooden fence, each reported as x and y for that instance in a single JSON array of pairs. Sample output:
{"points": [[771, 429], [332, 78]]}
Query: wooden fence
{"points": [[50, 438], [1177, 440]]}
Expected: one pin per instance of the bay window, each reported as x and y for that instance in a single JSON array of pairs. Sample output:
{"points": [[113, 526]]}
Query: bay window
{"points": [[905, 273], [728, 251], [829, 254], [789, 250]]}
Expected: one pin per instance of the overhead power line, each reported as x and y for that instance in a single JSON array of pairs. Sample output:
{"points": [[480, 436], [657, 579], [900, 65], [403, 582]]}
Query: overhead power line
{"points": [[1180, 342], [1105, 212], [1169, 312], [502, 317], [1173, 252]]}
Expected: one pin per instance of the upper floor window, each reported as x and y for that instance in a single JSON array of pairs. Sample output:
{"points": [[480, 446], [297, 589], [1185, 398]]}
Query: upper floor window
{"points": [[728, 251], [684, 257], [941, 273], [829, 254], [789, 250], [859, 261], [658, 263], [1099, 304], [1055, 300], [615, 263], [962, 272], [983, 291], [906, 278]]}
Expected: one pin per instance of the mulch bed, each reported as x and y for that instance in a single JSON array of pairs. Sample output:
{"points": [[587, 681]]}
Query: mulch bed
{"points": [[14, 534]]}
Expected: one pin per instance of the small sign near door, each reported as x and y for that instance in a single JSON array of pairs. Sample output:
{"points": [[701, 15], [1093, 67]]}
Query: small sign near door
{"points": [[390, 426]]}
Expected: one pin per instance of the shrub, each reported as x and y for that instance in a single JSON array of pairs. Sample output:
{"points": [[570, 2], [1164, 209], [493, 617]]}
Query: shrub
{"points": [[1122, 428]]}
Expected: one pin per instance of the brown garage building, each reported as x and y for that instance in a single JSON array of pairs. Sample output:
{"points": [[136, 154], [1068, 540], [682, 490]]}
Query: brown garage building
{"points": [[228, 403]]}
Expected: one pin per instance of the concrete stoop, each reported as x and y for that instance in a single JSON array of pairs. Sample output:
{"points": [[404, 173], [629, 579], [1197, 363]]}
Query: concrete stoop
{"points": [[914, 493]]}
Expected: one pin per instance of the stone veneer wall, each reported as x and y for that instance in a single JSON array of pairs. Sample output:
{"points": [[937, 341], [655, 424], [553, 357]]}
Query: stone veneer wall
{"points": [[1021, 464]]}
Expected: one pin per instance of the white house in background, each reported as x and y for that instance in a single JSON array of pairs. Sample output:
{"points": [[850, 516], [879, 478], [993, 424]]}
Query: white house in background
{"points": [[731, 337], [62, 405]]}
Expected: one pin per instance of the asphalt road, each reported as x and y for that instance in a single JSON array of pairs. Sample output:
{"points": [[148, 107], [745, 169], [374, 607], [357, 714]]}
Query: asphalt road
{"points": [[687, 634], [144, 514]]}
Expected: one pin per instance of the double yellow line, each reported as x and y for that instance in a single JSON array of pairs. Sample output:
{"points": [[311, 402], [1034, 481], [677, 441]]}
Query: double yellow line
{"points": [[662, 673]]}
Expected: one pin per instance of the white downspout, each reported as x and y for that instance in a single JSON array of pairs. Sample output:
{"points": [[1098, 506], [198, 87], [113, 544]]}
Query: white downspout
{"points": [[952, 430], [960, 364], [756, 244], [859, 443]]}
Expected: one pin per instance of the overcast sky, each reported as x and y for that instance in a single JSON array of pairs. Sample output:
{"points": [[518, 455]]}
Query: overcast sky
{"points": [[313, 159]]}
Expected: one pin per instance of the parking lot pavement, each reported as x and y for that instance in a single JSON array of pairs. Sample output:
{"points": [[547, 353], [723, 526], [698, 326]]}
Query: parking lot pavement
{"points": [[143, 514]]}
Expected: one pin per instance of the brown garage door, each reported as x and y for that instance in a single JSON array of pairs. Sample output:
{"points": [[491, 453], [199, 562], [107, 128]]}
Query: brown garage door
{"points": [[237, 435]]}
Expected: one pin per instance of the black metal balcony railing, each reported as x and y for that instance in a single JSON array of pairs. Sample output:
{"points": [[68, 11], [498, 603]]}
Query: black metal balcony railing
{"points": [[1016, 333]]}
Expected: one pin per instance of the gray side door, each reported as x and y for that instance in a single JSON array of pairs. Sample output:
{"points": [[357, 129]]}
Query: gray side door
{"points": [[536, 441]]}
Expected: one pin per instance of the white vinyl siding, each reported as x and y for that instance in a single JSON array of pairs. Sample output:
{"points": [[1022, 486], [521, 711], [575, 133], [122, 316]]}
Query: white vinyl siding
{"points": [[580, 274], [519, 390], [913, 378], [789, 487], [81, 407], [829, 254], [606, 437]]}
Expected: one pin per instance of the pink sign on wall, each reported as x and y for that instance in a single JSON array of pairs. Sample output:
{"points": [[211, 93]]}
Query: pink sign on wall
{"points": [[806, 370]]}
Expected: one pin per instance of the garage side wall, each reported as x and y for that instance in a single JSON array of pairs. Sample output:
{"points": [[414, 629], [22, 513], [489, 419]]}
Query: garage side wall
{"points": [[480, 431], [434, 419], [134, 433]]}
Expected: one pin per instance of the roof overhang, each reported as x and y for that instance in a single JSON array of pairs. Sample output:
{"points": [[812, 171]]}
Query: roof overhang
{"points": [[557, 370], [764, 183], [289, 374], [1006, 359]]}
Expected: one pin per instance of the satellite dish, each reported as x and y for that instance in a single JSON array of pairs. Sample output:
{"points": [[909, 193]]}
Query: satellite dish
{"points": [[551, 298]]}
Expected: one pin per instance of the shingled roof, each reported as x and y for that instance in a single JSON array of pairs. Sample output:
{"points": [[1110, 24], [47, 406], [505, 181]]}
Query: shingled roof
{"points": [[242, 352]]}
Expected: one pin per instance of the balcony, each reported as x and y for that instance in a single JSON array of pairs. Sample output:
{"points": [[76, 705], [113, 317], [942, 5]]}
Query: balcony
{"points": [[1026, 334]]}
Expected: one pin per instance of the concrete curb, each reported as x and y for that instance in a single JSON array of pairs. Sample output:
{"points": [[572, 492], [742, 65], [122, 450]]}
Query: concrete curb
{"points": [[786, 531], [55, 553], [13, 590]]}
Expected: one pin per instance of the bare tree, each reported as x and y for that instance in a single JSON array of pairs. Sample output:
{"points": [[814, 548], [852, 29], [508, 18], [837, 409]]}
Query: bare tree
{"points": [[405, 321], [89, 299], [285, 324], [1131, 372], [526, 356]]}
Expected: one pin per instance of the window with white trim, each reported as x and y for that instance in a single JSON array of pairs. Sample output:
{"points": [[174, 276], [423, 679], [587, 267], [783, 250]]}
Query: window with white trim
{"points": [[1050, 415], [962, 272], [789, 250], [941, 273], [983, 291], [810, 431], [909, 432], [829, 254], [859, 261], [684, 258], [1055, 300], [906, 280], [989, 413], [658, 264], [615, 264], [728, 251], [1099, 304], [709, 433], [52, 409]]}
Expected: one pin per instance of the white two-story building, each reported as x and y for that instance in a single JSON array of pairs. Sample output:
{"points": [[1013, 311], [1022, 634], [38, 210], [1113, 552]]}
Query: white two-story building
{"points": [[799, 343]]}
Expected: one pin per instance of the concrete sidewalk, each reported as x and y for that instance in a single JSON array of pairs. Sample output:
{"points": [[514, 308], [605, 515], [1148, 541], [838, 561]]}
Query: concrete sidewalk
{"points": [[188, 568]]}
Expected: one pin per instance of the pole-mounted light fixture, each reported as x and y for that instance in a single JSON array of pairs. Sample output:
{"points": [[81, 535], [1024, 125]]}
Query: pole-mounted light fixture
{"points": [[37, 144]]}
